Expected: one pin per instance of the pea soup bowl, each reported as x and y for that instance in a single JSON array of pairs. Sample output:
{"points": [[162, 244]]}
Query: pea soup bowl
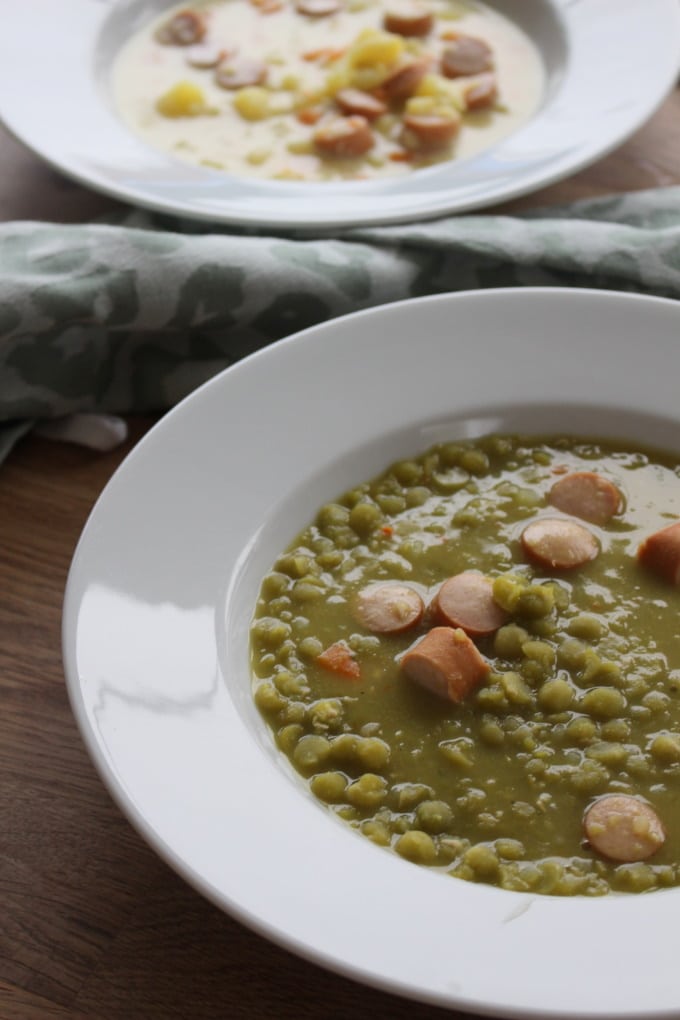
{"points": [[159, 608]]}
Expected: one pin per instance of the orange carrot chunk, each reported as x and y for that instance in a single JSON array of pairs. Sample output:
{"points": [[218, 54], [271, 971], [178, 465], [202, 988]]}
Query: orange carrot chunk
{"points": [[338, 658]]}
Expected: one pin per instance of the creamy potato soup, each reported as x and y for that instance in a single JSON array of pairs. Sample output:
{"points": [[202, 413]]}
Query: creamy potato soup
{"points": [[327, 89]]}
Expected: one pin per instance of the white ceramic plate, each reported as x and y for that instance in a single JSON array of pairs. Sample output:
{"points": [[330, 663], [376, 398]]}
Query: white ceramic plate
{"points": [[161, 593], [609, 64]]}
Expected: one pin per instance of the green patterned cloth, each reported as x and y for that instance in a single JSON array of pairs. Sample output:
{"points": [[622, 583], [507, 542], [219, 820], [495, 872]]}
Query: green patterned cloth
{"points": [[130, 316]]}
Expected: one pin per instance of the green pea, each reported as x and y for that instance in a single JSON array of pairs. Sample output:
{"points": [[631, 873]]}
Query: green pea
{"points": [[311, 752], [268, 699], [510, 849], [270, 632], [377, 831], [329, 786], [407, 472], [601, 670], [615, 729], [289, 683], [458, 752], [586, 627], [344, 747], [475, 462], [372, 753], [390, 503], [555, 695], [332, 514], [417, 495], [590, 777], [603, 702], [581, 731], [665, 747], [608, 753], [296, 565], [528, 498], [308, 590], [636, 877], [365, 518], [408, 795], [368, 791], [274, 584], [310, 648], [508, 641], [288, 736], [326, 714], [483, 860], [450, 454], [515, 689], [571, 654], [417, 846], [330, 560], [434, 816], [491, 733], [656, 701]]}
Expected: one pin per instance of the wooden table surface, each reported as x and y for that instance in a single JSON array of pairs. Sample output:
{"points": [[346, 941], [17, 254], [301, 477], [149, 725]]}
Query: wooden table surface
{"points": [[92, 924]]}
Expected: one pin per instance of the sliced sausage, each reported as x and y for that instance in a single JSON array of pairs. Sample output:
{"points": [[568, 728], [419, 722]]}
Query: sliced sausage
{"points": [[587, 495], [343, 137], [388, 607], [466, 55], [318, 8], [466, 601], [447, 662], [355, 101], [403, 82], [204, 55], [427, 132], [559, 544], [184, 29], [623, 828], [237, 74], [409, 19], [660, 553], [482, 93]]}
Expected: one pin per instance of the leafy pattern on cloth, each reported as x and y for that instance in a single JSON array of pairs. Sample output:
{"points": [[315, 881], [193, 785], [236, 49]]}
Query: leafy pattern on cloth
{"points": [[131, 314]]}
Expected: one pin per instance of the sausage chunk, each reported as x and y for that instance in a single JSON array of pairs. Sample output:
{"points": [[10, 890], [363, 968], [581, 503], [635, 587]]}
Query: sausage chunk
{"points": [[466, 601], [428, 132], [356, 101], [466, 55], [623, 828], [388, 607], [203, 55], [586, 495], [482, 93], [344, 137], [446, 662], [660, 553], [409, 19], [403, 82], [558, 544], [236, 74], [184, 29]]}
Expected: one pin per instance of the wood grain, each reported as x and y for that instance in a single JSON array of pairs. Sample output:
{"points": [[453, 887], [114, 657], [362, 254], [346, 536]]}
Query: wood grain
{"points": [[92, 924]]}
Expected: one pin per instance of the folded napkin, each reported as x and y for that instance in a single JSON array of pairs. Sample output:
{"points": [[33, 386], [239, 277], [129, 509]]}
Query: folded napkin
{"points": [[130, 315]]}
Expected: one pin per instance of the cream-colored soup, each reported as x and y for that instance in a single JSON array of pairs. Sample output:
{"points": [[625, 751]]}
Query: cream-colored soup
{"points": [[278, 98]]}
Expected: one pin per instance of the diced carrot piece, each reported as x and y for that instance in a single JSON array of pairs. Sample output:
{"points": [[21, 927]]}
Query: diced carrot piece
{"points": [[338, 658], [401, 156], [326, 54], [310, 115]]}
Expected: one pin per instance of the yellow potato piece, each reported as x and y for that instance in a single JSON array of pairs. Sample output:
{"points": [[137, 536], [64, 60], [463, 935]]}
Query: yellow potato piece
{"points": [[253, 102], [373, 47], [183, 100]]}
